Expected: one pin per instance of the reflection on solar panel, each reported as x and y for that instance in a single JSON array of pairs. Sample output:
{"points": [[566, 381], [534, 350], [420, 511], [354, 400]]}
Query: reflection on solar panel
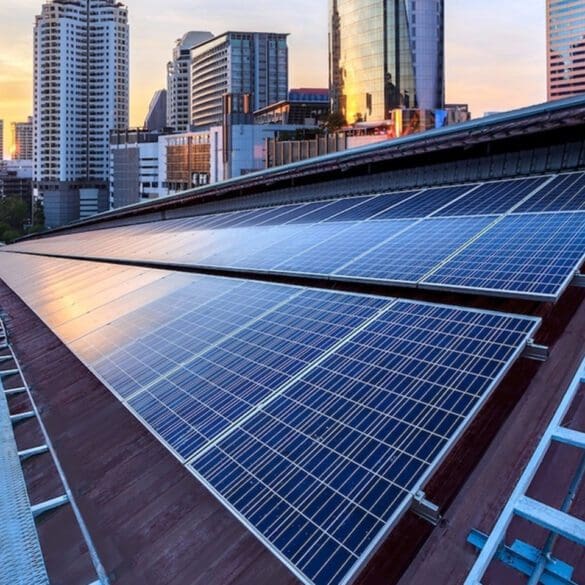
{"points": [[325, 467], [494, 198], [411, 254], [395, 238], [313, 416], [565, 193], [522, 254]]}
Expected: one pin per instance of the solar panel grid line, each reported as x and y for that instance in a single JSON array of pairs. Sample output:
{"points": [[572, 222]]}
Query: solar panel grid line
{"points": [[372, 548], [335, 516], [423, 205], [281, 268], [298, 376], [497, 197], [236, 374], [221, 340], [407, 196], [482, 232], [516, 250], [532, 321], [283, 559], [567, 193]]}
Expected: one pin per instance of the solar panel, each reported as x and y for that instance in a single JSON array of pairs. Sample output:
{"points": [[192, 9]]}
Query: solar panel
{"points": [[425, 203], [529, 255], [326, 467], [565, 193], [206, 394], [326, 257], [362, 238], [494, 198], [407, 257], [313, 416]]}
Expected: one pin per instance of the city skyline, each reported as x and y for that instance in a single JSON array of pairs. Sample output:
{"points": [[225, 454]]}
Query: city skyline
{"points": [[492, 63]]}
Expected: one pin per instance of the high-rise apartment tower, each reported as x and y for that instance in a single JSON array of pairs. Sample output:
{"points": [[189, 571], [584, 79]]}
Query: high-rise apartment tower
{"points": [[249, 64], [80, 95], [179, 80], [565, 48], [22, 140], [385, 54]]}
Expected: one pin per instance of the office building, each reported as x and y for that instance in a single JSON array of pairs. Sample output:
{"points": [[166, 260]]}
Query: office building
{"points": [[1, 140], [252, 64], [178, 80], [304, 107], [22, 140], [565, 48], [80, 95], [156, 119], [134, 161], [384, 55]]}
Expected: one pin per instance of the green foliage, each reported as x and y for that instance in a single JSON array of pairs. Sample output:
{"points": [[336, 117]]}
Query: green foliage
{"points": [[15, 216], [335, 121]]}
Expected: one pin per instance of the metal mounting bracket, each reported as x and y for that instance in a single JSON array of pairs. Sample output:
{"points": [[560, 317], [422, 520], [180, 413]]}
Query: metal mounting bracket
{"points": [[425, 509], [536, 352]]}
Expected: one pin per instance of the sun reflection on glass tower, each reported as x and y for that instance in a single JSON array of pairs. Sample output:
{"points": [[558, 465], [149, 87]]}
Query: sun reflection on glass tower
{"points": [[385, 54], [565, 48]]}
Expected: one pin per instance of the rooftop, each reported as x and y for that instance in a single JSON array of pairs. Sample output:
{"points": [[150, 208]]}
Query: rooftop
{"points": [[329, 373]]}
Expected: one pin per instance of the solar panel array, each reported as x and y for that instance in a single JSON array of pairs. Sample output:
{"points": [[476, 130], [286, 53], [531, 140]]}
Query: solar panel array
{"points": [[433, 238], [313, 416]]}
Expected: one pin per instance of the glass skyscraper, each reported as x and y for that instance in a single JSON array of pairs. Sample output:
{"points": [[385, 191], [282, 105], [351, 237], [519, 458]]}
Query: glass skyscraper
{"points": [[565, 48], [385, 54]]}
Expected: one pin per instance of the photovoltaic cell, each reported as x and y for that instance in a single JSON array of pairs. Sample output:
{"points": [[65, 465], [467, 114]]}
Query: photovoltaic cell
{"points": [[373, 206], [325, 258], [413, 253], [315, 416], [326, 466], [524, 254], [493, 198], [425, 203], [565, 193]]}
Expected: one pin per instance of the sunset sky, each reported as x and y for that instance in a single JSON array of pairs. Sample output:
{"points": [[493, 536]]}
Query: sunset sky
{"points": [[495, 49]]}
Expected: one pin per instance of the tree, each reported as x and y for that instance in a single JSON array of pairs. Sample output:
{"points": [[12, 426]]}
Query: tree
{"points": [[13, 212], [335, 121]]}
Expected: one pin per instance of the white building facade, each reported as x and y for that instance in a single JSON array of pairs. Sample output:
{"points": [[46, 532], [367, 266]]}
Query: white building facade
{"points": [[80, 95], [179, 80], [250, 64]]}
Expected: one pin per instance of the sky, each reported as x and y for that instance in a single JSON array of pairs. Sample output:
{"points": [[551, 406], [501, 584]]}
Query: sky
{"points": [[495, 50]]}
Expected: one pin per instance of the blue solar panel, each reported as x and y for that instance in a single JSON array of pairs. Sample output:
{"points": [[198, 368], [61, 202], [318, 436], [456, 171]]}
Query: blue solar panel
{"points": [[565, 193], [143, 346], [352, 238], [372, 206], [413, 253], [535, 254], [327, 257], [332, 460], [198, 399], [493, 198], [425, 203], [330, 210]]}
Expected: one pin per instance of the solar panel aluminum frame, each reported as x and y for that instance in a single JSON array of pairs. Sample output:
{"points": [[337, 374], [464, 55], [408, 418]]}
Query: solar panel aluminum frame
{"points": [[361, 563], [402, 509], [511, 294]]}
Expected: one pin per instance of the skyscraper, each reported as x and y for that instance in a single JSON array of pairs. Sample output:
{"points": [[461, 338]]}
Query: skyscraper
{"points": [[1, 140], [252, 64], [156, 119], [385, 54], [80, 95], [179, 80], [565, 48], [22, 140]]}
